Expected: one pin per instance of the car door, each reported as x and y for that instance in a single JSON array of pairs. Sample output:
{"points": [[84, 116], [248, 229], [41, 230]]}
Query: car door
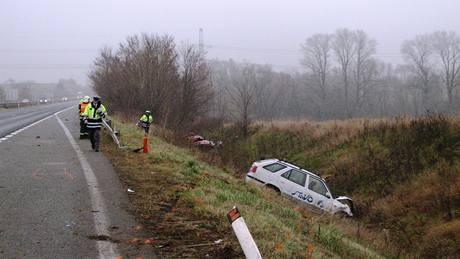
{"points": [[271, 173], [320, 196], [293, 184]]}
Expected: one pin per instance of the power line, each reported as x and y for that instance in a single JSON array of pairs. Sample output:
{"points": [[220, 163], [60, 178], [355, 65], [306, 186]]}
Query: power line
{"points": [[48, 50], [43, 66], [201, 45]]}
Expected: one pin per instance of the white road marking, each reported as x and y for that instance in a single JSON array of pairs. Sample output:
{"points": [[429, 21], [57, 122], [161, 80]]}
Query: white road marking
{"points": [[106, 249], [30, 125]]}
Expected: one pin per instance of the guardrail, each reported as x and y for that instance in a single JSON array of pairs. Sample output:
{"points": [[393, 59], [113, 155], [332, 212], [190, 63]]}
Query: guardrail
{"points": [[19, 104], [114, 134], [7, 105]]}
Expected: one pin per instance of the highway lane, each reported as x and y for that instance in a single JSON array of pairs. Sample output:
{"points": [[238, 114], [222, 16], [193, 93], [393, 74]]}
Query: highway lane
{"points": [[59, 199], [13, 119]]}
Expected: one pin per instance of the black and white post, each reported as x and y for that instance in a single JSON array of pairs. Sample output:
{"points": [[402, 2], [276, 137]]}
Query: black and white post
{"points": [[245, 239]]}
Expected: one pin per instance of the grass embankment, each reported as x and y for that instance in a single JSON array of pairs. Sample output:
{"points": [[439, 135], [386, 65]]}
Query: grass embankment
{"points": [[183, 202], [404, 174]]}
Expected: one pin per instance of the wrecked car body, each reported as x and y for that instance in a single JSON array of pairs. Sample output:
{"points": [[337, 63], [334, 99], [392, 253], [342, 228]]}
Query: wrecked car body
{"points": [[298, 184]]}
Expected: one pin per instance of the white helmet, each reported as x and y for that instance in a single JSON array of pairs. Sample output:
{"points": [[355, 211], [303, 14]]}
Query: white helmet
{"points": [[86, 99]]}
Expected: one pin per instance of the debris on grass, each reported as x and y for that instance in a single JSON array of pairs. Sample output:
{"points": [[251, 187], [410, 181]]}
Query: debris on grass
{"points": [[149, 241], [138, 228]]}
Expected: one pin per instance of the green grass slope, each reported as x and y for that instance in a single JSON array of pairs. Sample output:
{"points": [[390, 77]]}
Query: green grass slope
{"points": [[183, 201], [404, 174]]}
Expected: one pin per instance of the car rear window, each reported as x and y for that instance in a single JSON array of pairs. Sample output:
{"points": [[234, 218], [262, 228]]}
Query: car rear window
{"points": [[274, 167]]}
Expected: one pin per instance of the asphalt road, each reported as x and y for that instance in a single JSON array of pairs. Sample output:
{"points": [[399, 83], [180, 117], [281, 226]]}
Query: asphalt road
{"points": [[58, 198], [13, 119]]}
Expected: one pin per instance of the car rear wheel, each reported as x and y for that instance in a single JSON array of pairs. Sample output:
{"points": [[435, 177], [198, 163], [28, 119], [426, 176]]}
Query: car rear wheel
{"points": [[273, 188]]}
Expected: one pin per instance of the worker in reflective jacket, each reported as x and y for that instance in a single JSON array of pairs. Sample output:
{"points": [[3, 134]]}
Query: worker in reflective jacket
{"points": [[93, 115], [145, 121], [81, 107]]}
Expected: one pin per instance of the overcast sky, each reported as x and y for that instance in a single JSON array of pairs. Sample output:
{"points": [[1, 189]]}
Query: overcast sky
{"points": [[44, 40]]}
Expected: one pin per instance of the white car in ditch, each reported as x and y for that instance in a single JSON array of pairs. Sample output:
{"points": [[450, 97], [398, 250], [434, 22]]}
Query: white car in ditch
{"points": [[298, 184]]}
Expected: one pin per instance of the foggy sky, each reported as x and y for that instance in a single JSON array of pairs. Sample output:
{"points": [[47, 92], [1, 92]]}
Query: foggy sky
{"points": [[44, 40]]}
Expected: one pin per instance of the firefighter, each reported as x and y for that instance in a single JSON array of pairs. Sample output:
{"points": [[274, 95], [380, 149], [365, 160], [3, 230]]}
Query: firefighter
{"points": [[93, 115], [145, 121], [85, 101]]}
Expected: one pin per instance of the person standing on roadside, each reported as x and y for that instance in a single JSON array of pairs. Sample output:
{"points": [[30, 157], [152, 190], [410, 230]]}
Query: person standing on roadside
{"points": [[93, 115], [145, 121], [81, 107]]}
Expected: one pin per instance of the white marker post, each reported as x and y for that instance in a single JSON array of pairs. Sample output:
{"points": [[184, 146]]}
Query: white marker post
{"points": [[247, 243]]}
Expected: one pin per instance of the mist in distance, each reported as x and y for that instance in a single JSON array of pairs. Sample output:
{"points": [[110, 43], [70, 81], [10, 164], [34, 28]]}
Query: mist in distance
{"points": [[321, 60], [48, 40]]}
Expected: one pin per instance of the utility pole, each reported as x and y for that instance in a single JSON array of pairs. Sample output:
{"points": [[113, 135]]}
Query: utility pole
{"points": [[201, 42]]}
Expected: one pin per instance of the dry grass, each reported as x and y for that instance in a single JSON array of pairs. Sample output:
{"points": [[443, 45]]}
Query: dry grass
{"points": [[339, 130], [402, 172], [183, 202], [442, 241], [159, 181]]}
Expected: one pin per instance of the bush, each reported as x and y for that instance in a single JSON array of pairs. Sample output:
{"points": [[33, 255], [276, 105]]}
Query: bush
{"points": [[402, 173], [442, 241]]}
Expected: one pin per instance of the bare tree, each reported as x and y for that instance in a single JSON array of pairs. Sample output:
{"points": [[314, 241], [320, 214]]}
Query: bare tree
{"points": [[343, 45], [418, 54], [145, 73], [447, 47], [265, 103], [220, 77], [364, 66], [242, 93], [196, 91], [316, 54]]}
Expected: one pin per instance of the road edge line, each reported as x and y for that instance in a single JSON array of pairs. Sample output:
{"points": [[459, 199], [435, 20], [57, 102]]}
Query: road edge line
{"points": [[106, 249]]}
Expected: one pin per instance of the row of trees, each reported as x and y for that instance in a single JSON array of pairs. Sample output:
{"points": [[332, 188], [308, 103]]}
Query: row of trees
{"points": [[343, 78], [150, 72], [430, 72], [431, 57]]}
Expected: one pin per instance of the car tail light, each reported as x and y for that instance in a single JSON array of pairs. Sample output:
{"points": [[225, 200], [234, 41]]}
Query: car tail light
{"points": [[253, 169]]}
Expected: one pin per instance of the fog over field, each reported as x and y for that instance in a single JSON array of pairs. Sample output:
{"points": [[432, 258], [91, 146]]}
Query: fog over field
{"points": [[48, 40], [203, 96]]}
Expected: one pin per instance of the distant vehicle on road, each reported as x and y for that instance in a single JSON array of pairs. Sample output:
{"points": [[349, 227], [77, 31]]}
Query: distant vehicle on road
{"points": [[64, 99], [44, 100], [25, 101], [298, 184]]}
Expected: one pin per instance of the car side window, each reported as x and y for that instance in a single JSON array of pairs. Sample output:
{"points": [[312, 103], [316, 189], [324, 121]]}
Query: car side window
{"points": [[286, 174], [274, 167], [317, 186], [295, 176]]}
